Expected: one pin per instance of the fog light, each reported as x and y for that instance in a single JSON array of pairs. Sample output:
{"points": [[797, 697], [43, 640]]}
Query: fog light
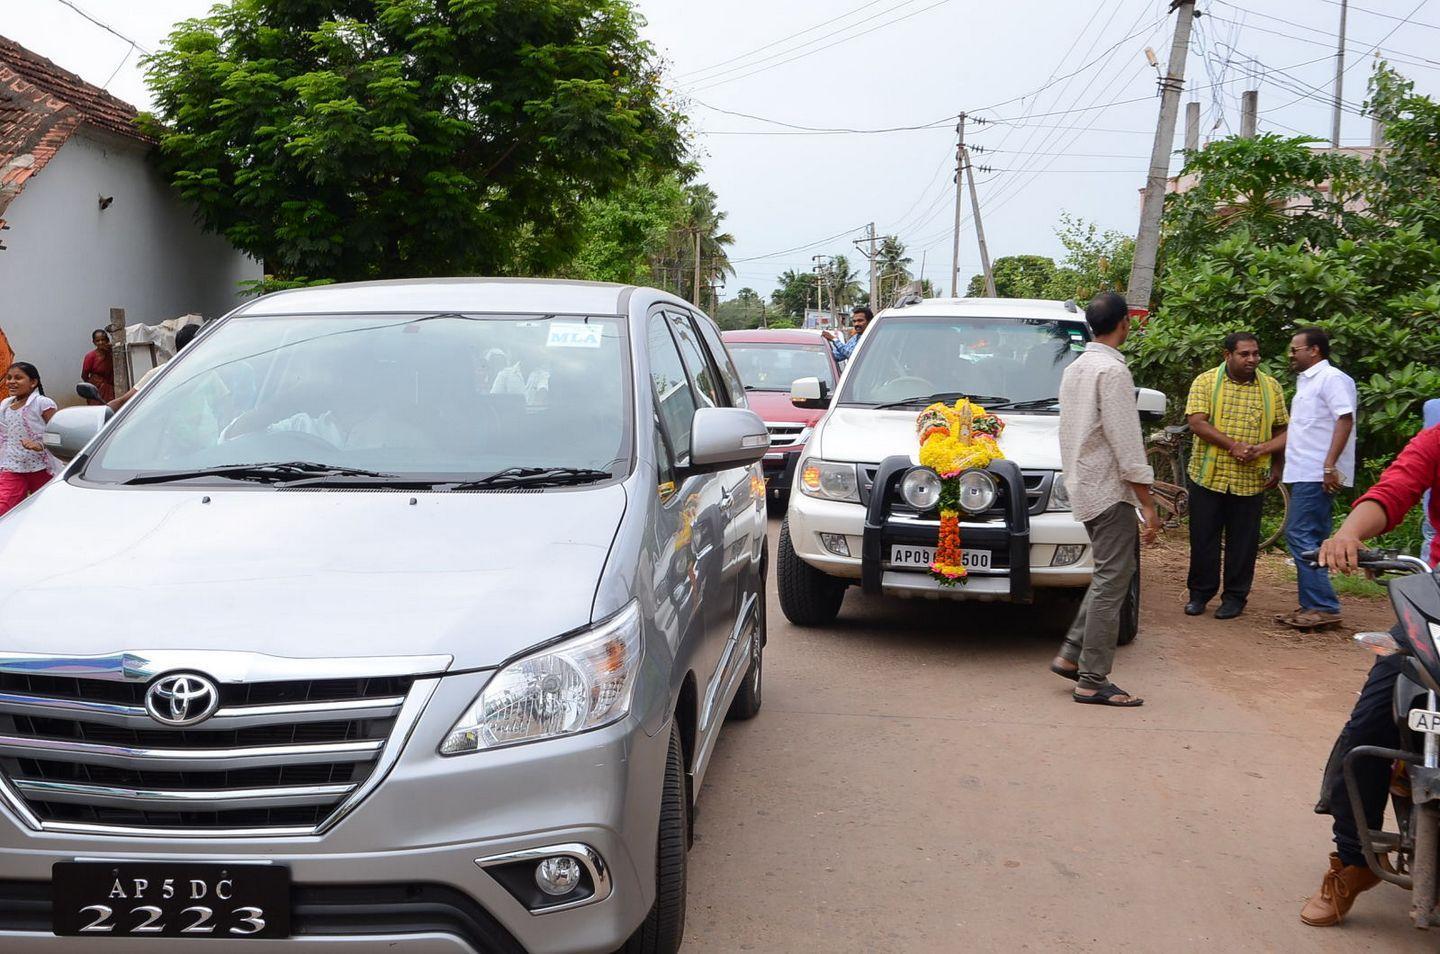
{"points": [[558, 876], [977, 491], [835, 543], [921, 488], [1067, 553]]}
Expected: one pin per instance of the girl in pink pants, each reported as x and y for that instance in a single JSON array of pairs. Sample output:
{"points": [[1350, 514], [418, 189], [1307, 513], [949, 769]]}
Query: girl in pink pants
{"points": [[24, 462]]}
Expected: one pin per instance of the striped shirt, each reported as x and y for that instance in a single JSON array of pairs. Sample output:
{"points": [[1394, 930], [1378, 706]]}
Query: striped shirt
{"points": [[1246, 412]]}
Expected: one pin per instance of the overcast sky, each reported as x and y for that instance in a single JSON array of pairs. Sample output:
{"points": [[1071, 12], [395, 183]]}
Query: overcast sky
{"points": [[853, 64]]}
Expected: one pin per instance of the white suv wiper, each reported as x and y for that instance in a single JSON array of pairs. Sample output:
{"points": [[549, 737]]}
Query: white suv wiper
{"points": [[273, 473], [1037, 404], [534, 477], [986, 399]]}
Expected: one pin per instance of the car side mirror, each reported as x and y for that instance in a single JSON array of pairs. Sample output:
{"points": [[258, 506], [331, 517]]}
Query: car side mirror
{"points": [[72, 428], [87, 391], [726, 437], [810, 393], [1151, 404]]}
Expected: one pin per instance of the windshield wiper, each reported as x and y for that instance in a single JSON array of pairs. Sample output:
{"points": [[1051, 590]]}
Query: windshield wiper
{"points": [[535, 477], [274, 473], [1038, 404], [947, 396]]}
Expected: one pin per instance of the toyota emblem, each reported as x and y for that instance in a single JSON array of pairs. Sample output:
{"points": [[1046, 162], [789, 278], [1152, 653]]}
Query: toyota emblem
{"points": [[182, 698]]}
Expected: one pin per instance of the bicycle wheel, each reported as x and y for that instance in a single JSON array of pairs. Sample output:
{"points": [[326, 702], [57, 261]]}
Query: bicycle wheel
{"points": [[1277, 511], [1165, 461]]}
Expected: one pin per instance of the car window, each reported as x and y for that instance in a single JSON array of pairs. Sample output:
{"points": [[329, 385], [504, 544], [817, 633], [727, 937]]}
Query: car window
{"points": [[1011, 359], [701, 373], [773, 367], [673, 396], [728, 372], [439, 397]]}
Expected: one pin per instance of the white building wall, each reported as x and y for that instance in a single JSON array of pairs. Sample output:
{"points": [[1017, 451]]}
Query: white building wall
{"points": [[67, 262]]}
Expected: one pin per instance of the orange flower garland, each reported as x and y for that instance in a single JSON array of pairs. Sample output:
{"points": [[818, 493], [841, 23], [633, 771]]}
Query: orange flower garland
{"points": [[952, 441]]}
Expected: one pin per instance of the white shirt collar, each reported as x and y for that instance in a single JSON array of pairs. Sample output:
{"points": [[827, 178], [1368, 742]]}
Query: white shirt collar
{"points": [[1315, 368], [1101, 348]]}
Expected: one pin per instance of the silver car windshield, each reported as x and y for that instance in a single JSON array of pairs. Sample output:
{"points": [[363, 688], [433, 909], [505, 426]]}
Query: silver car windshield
{"points": [[772, 367], [428, 397], [994, 360]]}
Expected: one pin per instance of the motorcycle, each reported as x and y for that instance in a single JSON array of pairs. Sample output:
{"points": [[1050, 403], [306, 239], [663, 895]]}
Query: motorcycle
{"points": [[1410, 856]]}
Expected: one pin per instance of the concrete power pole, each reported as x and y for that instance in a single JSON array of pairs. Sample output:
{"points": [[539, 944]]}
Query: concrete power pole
{"points": [[1147, 240], [980, 233], [1339, 76], [696, 299], [874, 266], [959, 174], [1192, 126], [1249, 113]]}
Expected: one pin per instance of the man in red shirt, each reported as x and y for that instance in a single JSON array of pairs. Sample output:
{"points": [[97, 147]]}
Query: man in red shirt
{"points": [[1378, 511]]}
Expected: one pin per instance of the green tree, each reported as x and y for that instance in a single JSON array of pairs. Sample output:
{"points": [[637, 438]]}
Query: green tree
{"points": [[624, 234], [745, 310], [795, 292], [844, 283], [1094, 261], [408, 137], [1017, 276]]}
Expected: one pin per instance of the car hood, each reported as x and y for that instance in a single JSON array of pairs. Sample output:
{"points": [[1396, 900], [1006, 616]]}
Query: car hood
{"points": [[476, 576], [775, 406], [869, 436]]}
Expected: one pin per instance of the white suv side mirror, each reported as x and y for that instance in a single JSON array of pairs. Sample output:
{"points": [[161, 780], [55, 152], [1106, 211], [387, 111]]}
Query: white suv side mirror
{"points": [[1151, 404], [71, 428], [810, 393]]}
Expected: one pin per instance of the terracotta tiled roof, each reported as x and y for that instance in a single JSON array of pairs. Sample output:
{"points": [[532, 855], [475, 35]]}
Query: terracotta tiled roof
{"points": [[41, 106]]}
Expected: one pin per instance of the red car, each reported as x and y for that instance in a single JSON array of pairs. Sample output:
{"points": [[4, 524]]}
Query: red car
{"points": [[768, 362]]}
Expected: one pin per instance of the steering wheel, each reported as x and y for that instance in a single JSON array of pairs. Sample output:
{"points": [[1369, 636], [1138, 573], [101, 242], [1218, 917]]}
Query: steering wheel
{"points": [[898, 389]]}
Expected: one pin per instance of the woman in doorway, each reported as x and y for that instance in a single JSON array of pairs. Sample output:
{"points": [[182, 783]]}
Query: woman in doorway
{"points": [[24, 462], [99, 366]]}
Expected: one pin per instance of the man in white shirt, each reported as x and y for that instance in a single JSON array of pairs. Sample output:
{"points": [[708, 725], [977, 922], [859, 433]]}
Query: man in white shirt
{"points": [[1319, 460]]}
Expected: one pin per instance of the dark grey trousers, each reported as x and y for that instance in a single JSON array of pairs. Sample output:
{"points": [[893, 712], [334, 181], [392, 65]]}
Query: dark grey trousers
{"points": [[1093, 636]]}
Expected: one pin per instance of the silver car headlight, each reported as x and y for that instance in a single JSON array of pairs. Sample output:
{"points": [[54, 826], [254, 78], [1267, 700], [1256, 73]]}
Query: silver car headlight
{"points": [[829, 480], [1059, 495], [583, 683], [977, 491]]}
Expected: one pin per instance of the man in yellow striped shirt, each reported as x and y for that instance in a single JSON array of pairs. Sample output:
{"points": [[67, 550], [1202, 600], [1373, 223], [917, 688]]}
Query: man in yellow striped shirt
{"points": [[1236, 413]]}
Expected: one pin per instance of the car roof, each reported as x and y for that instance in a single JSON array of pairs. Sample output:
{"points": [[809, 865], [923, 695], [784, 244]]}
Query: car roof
{"points": [[774, 336], [987, 308], [481, 295]]}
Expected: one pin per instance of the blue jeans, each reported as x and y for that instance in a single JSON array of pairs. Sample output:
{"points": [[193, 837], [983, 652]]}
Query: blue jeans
{"points": [[1311, 510]]}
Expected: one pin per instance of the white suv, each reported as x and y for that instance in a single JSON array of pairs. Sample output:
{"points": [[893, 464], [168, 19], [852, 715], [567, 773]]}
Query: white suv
{"points": [[849, 522]]}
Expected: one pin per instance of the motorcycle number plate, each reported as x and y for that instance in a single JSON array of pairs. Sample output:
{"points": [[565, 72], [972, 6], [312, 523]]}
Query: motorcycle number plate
{"points": [[1425, 720]]}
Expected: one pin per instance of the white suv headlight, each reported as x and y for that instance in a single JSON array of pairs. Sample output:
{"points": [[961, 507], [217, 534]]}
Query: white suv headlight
{"points": [[829, 480], [583, 683], [1059, 496]]}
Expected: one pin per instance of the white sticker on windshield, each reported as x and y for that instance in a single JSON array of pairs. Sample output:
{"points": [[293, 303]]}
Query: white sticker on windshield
{"points": [[570, 334]]}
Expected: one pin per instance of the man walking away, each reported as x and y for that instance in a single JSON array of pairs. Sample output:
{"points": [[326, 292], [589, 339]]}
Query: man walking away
{"points": [[859, 319], [1235, 411], [1319, 460], [1103, 453]]}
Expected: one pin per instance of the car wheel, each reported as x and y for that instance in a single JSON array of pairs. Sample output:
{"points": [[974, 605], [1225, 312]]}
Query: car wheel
{"points": [[807, 596], [1130, 611], [746, 704], [663, 929]]}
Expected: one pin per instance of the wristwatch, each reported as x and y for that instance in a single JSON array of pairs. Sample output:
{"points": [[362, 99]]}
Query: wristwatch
{"points": [[1331, 470]]}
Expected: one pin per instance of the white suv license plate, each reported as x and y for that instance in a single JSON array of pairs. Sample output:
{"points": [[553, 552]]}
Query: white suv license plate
{"points": [[920, 558], [1425, 720]]}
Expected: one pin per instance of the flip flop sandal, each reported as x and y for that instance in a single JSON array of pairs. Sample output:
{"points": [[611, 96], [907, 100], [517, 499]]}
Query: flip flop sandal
{"points": [[1106, 696], [1072, 674]]}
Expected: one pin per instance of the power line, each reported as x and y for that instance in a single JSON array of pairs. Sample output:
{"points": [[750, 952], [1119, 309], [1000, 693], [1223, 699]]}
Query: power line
{"points": [[798, 248], [1398, 56], [940, 123], [1389, 16], [783, 39], [103, 25]]}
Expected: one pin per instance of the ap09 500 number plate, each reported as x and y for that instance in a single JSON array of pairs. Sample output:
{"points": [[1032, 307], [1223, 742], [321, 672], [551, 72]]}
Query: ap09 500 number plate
{"points": [[161, 899]]}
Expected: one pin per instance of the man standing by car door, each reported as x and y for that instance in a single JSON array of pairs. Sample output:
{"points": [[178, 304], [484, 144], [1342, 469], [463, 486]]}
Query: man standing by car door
{"points": [[859, 320], [1103, 453], [1319, 460], [1234, 412]]}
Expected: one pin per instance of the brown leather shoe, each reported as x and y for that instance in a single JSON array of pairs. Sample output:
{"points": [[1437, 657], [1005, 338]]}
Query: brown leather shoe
{"points": [[1328, 906]]}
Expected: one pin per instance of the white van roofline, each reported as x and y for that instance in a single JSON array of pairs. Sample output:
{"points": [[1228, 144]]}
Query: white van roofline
{"points": [[988, 308]]}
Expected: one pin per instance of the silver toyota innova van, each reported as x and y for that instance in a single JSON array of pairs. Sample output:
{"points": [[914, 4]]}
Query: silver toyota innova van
{"points": [[388, 616]]}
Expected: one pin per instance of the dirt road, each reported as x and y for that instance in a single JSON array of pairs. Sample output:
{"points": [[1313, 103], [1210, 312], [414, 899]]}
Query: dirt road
{"points": [[918, 781]]}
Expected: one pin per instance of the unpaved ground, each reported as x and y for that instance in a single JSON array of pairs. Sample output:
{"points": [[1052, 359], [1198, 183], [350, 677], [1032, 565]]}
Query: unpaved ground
{"points": [[918, 781]]}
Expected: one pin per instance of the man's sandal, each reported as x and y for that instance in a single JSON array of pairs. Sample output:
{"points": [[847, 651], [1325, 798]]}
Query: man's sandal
{"points": [[1106, 696]]}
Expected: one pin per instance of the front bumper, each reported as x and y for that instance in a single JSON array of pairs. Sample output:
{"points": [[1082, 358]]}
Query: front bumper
{"points": [[779, 469], [869, 530], [401, 869]]}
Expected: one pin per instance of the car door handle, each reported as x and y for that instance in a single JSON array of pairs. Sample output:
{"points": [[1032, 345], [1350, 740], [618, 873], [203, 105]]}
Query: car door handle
{"points": [[725, 496]]}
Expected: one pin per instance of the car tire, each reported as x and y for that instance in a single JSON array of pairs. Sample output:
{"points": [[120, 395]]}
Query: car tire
{"points": [[1130, 610], [807, 596], [663, 929], [746, 704]]}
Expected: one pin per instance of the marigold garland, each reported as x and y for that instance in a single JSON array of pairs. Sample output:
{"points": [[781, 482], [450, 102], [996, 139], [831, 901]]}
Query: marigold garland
{"points": [[952, 441]]}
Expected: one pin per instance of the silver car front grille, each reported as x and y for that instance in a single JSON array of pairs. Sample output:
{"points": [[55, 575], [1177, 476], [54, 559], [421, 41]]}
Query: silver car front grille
{"points": [[284, 756], [784, 434]]}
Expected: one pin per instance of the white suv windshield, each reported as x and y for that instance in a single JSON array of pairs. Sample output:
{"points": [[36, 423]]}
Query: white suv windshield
{"points": [[773, 367], [403, 396], [914, 360]]}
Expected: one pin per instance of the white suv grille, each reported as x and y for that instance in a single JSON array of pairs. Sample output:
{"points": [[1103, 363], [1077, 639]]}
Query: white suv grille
{"points": [[785, 434]]}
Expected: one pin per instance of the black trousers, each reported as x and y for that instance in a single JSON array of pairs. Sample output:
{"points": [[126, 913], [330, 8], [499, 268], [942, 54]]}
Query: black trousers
{"points": [[1236, 520], [1371, 723]]}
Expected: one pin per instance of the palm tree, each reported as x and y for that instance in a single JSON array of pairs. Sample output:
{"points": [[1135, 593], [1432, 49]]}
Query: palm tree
{"points": [[675, 266]]}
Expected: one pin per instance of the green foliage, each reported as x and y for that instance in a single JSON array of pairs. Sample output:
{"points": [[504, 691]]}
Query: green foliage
{"points": [[746, 310], [1017, 276], [621, 235], [1094, 261], [795, 291], [409, 137]]}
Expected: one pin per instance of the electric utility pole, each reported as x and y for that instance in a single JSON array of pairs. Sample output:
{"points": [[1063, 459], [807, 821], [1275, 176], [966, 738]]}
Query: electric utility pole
{"points": [[696, 299], [959, 173], [874, 291], [1147, 240], [980, 232], [1339, 76]]}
